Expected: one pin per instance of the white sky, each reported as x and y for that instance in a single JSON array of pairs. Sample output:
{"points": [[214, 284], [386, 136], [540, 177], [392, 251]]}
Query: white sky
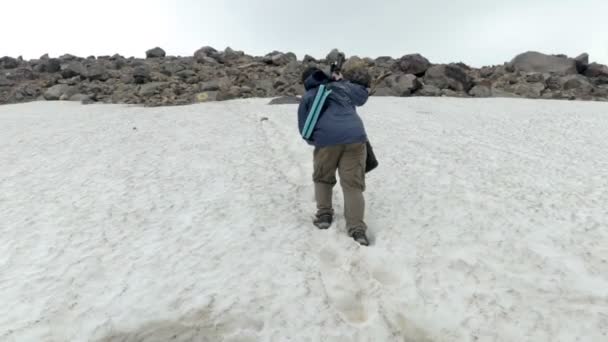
{"points": [[477, 32]]}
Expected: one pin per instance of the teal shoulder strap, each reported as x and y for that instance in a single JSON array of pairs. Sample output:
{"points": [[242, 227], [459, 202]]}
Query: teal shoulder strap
{"points": [[315, 111]]}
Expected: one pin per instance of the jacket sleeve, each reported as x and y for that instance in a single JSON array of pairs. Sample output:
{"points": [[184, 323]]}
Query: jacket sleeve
{"points": [[357, 93]]}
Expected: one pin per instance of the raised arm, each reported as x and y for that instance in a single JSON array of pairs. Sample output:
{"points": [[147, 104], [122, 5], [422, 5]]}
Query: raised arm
{"points": [[358, 94]]}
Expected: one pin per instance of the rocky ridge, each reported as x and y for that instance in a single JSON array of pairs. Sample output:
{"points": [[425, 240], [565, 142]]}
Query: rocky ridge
{"points": [[212, 75]]}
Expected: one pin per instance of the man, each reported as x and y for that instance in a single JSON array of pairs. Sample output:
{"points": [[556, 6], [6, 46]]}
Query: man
{"points": [[339, 139]]}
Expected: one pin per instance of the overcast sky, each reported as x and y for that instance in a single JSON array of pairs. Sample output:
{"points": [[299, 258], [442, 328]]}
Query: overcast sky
{"points": [[477, 32]]}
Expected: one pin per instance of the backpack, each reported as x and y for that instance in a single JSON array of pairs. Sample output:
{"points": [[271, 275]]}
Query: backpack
{"points": [[315, 111]]}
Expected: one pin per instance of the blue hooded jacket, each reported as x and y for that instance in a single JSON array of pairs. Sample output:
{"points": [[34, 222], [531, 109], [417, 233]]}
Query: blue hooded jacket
{"points": [[339, 122]]}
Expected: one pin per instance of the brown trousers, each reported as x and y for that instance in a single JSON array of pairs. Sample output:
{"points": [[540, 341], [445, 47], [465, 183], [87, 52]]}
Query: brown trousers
{"points": [[349, 160]]}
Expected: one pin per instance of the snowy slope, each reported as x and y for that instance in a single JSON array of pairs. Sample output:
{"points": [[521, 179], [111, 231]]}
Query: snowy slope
{"points": [[489, 220]]}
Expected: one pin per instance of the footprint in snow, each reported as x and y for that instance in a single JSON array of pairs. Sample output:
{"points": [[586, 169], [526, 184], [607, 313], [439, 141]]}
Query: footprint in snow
{"points": [[346, 285]]}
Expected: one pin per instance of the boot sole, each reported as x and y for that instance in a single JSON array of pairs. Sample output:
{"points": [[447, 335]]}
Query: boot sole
{"points": [[323, 226], [362, 242]]}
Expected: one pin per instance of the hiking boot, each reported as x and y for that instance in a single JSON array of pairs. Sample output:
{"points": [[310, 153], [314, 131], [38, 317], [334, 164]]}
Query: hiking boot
{"points": [[323, 221], [360, 237]]}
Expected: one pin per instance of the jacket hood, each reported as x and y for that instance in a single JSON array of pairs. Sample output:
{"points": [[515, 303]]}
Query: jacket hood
{"points": [[316, 79]]}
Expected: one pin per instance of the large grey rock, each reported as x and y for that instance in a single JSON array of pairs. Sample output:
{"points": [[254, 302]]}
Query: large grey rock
{"points": [[354, 62], [582, 62], [533, 61], [171, 68], [280, 83], [153, 88], [309, 59], [155, 53], [528, 90], [384, 62], [98, 91], [97, 72], [5, 82], [285, 59], [73, 69], [518, 85], [572, 87], [487, 71], [577, 82], [230, 93], [292, 68], [596, 70], [284, 100], [601, 92], [70, 81], [186, 74], [20, 74], [25, 92], [215, 84], [413, 64], [125, 93], [481, 91], [449, 76], [535, 77], [67, 57], [212, 85], [601, 81], [279, 58], [141, 74], [265, 87], [118, 62], [554, 83], [37, 66], [569, 82], [206, 54], [55, 92], [8, 62], [51, 65], [429, 90], [230, 55], [399, 85]]}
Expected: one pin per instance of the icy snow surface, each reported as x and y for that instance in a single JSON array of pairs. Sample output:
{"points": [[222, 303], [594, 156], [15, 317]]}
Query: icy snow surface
{"points": [[488, 217]]}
